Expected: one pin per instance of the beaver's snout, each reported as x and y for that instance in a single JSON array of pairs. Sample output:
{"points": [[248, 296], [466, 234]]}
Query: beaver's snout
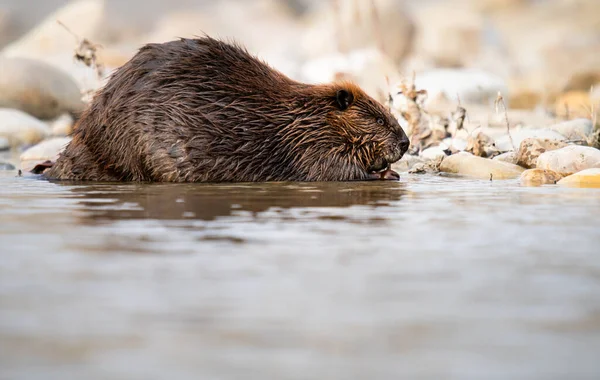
{"points": [[404, 141], [381, 169], [404, 145], [399, 148]]}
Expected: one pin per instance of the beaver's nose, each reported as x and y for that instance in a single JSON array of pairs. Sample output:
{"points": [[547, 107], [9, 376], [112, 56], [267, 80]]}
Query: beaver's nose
{"points": [[404, 145]]}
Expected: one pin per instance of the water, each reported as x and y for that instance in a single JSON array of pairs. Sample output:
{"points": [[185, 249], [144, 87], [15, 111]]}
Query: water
{"points": [[427, 278]]}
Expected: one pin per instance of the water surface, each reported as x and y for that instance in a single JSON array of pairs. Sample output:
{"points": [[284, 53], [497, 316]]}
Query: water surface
{"points": [[427, 278]]}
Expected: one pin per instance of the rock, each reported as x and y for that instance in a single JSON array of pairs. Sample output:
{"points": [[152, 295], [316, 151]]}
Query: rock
{"points": [[531, 148], [20, 128], [37, 88], [432, 153], [433, 132], [357, 25], [54, 45], [538, 177], [479, 144], [6, 166], [83, 18], [510, 157], [62, 126], [4, 144], [471, 166], [504, 145], [430, 167], [471, 85], [584, 178], [418, 169], [45, 151], [454, 143], [578, 129], [407, 162], [570, 159], [87, 78]]}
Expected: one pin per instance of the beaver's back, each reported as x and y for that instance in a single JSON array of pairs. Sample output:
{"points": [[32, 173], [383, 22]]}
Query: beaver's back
{"points": [[176, 109]]}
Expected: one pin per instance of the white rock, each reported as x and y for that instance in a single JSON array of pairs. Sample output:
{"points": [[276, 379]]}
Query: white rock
{"points": [[37, 88], [84, 18], [471, 85], [456, 143], [47, 150], [570, 159], [472, 166], [584, 178], [509, 157], [20, 128], [503, 143], [407, 162], [432, 153], [4, 144], [6, 166], [531, 148], [86, 78], [538, 177], [62, 126], [576, 129]]}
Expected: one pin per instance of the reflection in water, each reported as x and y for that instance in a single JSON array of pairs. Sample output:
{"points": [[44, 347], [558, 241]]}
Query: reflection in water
{"points": [[208, 202]]}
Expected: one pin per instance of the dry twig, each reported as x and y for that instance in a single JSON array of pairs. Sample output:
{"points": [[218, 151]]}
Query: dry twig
{"points": [[413, 111], [500, 102], [85, 52]]}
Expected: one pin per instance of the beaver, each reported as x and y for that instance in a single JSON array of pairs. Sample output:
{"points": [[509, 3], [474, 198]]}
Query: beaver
{"points": [[206, 110]]}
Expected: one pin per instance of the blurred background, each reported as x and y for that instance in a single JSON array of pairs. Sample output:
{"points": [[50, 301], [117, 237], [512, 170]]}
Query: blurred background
{"points": [[542, 54]]}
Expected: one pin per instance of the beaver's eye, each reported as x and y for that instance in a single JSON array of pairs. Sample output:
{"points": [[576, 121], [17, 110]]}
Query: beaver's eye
{"points": [[380, 121]]}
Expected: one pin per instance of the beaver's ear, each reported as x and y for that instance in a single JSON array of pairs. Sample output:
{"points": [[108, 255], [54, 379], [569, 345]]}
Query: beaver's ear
{"points": [[344, 99]]}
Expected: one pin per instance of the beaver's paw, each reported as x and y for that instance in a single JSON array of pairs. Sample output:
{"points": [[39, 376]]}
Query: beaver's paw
{"points": [[385, 175]]}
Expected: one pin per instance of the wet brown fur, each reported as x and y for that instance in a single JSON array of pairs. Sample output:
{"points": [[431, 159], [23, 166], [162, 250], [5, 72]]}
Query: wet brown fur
{"points": [[202, 110]]}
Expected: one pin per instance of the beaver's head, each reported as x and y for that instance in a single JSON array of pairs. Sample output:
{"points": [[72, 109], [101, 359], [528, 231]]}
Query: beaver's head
{"points": [[358, 139]]}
